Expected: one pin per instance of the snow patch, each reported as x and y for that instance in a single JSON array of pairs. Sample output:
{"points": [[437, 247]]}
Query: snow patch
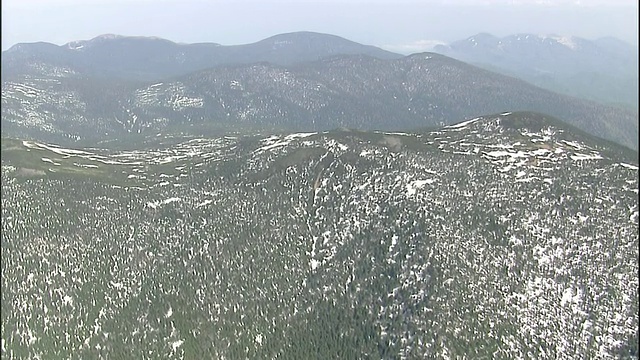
{"points": [[156, 204], [86, 165], [175, 345], [299, 135], [566, 41], [418, 184], [462, 124], [57, 150], [580, 157], [50, 161], [573, 144], [205, 203], [567, 296], [629, 166], [314, 264], [496, 154]]}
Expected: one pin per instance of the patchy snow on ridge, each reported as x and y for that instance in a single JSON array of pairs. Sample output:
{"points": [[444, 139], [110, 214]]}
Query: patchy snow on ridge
{"points": [[155, 204], [299, 135], [629, 166], [573, 144], [580, 157], [462, 124], [567, 41]]}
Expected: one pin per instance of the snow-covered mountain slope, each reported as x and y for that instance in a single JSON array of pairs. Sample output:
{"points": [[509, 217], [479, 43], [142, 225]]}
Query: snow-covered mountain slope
{"points": [[505, 236]]}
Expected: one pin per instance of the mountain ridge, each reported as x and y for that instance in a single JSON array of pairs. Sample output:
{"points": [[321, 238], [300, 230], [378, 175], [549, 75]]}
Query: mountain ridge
{"points": [[355, 91], [604, 69], [473, 239], [153, 58]]}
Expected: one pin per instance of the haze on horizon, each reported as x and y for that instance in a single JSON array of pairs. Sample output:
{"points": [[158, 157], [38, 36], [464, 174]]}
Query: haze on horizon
{"points": [[404, 26]]}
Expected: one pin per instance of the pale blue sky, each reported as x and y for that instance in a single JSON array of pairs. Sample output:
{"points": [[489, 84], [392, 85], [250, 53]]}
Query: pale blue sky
{"points": [[404, 26]]}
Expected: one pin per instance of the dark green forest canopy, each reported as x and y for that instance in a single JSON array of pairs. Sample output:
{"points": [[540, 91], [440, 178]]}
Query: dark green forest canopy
{"points": [[504, 236]]}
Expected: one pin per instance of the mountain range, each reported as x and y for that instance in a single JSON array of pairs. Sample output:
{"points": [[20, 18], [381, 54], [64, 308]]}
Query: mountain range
{"points": [[89, 91], [512, 235], [308, 197], [604, 70], [155, 59]]}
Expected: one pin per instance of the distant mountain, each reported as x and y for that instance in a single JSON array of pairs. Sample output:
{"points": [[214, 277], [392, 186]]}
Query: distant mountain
{"points": [[604, 70], [357, 91], [504, 236], [153, 59]]}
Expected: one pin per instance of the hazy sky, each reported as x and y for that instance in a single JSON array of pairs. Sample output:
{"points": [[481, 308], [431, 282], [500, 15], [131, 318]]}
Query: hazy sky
{"points": [[403, 26]]}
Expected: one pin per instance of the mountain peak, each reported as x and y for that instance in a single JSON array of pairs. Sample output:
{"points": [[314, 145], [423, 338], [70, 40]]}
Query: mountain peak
{"points": [[26, 47], [483, 36], [490, 41], [530, 121], [307, 37], [304, 34], [603, 70], [107, 38], [482, 39], [537, 130], [569, 41]]}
